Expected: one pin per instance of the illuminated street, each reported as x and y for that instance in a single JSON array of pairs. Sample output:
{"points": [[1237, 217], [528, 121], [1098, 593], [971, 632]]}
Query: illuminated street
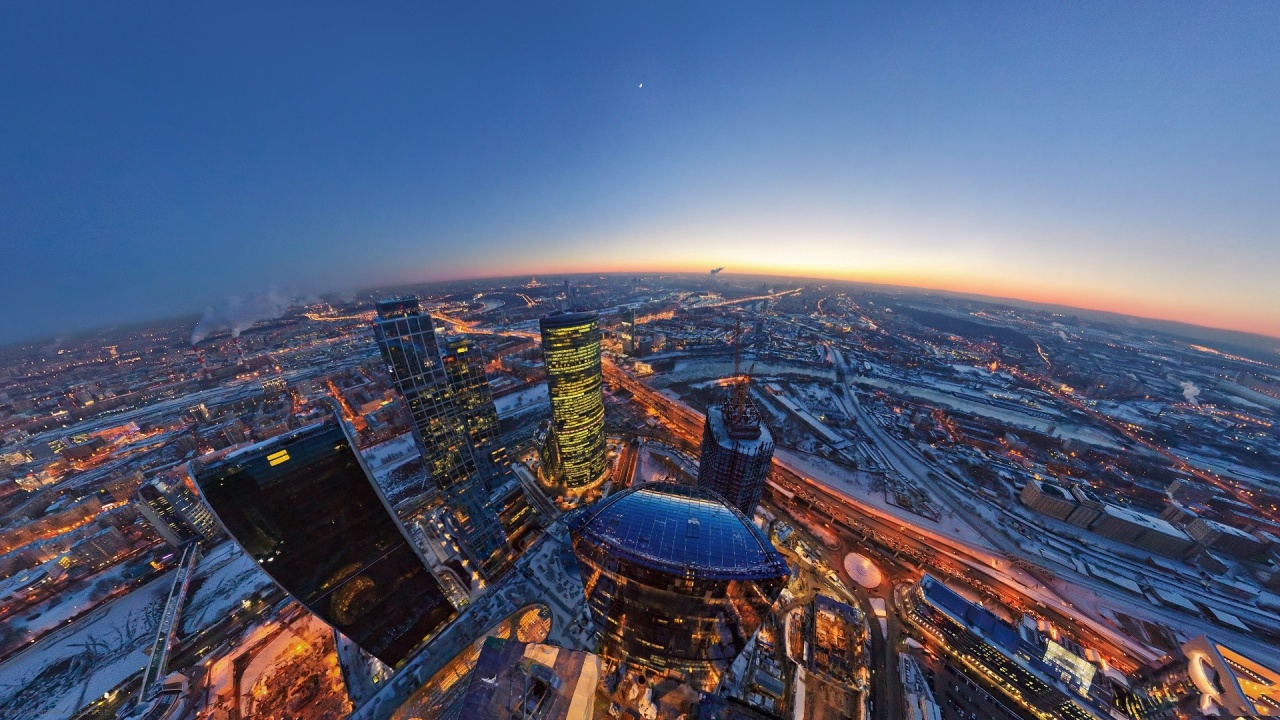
{"points": [[640, 361]]}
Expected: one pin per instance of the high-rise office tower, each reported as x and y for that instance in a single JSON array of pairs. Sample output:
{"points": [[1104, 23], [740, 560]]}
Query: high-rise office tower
{"points": [[305, 508], [675, 578], [571, 349], [548, 451], [570, 296], [447, 391], [736, 450], [175, 511], [455, 422], [627, 332]]}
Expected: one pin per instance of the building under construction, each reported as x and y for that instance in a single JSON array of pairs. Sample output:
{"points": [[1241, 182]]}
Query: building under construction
{"points": [[835, 639], [737, 448]]}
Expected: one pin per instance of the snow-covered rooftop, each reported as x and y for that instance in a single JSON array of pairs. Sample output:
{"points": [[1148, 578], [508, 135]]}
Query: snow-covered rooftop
{"points": [[1151, 522]]}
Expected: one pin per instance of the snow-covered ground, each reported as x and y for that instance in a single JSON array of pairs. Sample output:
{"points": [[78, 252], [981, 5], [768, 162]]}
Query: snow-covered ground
{"points": [[225, 577], [863, 571], [73, 603], [1253, 397], [397, 469], [690, 370], [74, 666], [1011, 417], [857, 486], [649, 469], [389, 453], [1228, 468], [1124, 412], [70, 668], [818, 397], [523, 400], [652, 465]]}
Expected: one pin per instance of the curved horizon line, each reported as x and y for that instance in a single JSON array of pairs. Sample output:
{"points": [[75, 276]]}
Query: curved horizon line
{"points": [[1052, 303]]}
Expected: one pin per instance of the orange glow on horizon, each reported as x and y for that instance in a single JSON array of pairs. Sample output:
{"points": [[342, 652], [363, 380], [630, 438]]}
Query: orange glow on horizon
{"points": [[1093, 299]]}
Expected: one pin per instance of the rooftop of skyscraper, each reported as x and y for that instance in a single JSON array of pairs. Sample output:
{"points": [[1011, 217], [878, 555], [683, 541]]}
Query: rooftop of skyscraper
{"points": [[730, 423], [397, 307], [549, 682], [561, 319]]}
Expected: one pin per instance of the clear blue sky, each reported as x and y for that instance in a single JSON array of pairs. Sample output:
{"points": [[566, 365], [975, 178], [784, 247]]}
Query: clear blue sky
{"points": [[155, 158]]}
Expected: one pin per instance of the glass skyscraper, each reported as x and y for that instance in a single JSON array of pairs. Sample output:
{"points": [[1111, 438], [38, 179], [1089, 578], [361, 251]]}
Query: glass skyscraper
{"points": [[304, 507], [675, 578], [447, 393], [628, 330], [455, 422], [571, 348]]}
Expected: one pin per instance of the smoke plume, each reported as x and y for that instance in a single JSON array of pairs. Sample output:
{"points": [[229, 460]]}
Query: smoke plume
{"points": [[238, 313], [1190, 392]]}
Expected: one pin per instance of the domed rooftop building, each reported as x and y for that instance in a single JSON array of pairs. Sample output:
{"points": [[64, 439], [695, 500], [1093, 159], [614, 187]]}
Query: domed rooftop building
{"points": [[675, 577]]}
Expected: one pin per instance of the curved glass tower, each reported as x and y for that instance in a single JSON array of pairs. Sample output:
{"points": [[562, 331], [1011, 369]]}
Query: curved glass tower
{"points": [[675, 577], [571, 348], [302, 506]]}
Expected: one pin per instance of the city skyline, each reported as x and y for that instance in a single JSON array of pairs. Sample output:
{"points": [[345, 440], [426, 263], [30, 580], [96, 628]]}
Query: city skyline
{"points": [[219, 316], [599, 361], [1115, 159], [798, 489]]}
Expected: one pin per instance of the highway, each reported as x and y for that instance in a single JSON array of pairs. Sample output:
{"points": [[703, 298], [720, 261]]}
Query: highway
{"points": [[625, 474], [978, 564], [907, 460], [1020, 588], [1068, 397]]}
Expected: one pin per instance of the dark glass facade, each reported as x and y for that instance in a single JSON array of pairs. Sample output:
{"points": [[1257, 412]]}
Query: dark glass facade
{"points": [[469, 385], [675, 577], [455, 422], [304, 508], [571, 349]]}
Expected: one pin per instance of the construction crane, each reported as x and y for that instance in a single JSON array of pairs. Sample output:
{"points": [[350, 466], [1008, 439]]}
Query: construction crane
{"points": [[742, 417]]}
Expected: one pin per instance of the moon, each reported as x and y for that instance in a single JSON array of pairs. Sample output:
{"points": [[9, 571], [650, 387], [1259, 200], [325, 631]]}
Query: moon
{"points": [[641, 84]]}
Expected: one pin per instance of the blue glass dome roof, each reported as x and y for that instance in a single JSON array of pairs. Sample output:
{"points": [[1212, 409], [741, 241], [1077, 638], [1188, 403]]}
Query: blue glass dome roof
{"points": [[683, 530]]}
